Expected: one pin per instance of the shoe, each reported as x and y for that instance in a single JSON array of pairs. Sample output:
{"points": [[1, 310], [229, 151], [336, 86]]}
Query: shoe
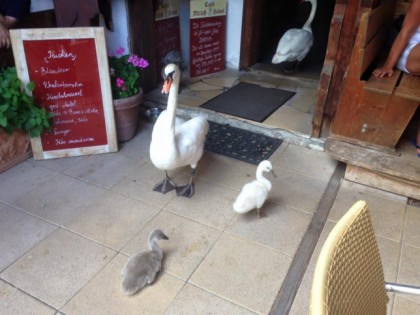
{"points": [[417, 148]]}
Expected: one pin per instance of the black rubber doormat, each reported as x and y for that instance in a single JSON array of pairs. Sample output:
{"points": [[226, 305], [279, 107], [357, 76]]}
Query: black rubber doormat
{"points": [[240, 144], [249, 101]]}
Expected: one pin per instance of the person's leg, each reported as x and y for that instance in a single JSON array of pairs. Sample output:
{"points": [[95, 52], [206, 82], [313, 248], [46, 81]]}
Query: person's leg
{"points": [[413, 60]]}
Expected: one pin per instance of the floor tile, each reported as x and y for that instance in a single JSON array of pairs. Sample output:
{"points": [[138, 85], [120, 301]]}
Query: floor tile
{"points": [[139, 185], [412, 231], [58, 165], [242, 272], [409, 272], [188, 244], [104, 169], [19, 232], [387, 214], [228, 172], [55, 269], [193, 300], [297, 190], [103, 294], [201, 96], [223, 81], [211, 205], [202, 86], [291, 119], [112, 219], [58, 199], [14, 182], [305, 100], [189, 100], [272, 229], [404, 306], [308, 162], [138, 147], [15, 302], [390, 257]]}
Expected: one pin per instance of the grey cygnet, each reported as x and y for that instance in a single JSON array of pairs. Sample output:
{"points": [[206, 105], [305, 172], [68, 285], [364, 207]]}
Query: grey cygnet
{"points": [[141, 269]]}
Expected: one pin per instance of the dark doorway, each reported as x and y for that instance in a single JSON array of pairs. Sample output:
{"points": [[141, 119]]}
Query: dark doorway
{"points": [[279, 16]]}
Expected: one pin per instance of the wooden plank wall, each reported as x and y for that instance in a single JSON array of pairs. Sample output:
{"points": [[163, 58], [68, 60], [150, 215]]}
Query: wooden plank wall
{"points": [[343, 32]]}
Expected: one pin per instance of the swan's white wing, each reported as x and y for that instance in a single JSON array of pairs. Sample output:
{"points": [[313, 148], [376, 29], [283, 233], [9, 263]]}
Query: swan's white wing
{"points": [[252, 196], [189, 138], [293, 45]]}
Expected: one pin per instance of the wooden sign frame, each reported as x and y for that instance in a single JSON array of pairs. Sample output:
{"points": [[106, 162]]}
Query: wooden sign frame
{"points": [[83, 120]]}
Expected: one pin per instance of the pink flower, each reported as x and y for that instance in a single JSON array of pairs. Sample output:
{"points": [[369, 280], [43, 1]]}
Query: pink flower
{"points": [[138, 62], [120, 82], [120, 51]]}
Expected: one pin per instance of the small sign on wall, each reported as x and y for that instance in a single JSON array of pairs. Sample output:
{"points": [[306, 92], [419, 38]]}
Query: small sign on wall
{"points": [[70, 69], [207, 36]]}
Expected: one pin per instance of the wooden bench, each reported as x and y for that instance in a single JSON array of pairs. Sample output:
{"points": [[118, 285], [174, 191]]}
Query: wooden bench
{"points": [[372, 111]]}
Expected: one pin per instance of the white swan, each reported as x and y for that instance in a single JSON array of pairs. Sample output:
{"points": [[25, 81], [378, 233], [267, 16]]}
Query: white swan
{"points": [[295, 43], [176, 144], [141, 269], [254, 194]]}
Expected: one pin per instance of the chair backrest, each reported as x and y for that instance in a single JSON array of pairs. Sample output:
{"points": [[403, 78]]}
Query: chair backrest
{"points": [[349, 276]]}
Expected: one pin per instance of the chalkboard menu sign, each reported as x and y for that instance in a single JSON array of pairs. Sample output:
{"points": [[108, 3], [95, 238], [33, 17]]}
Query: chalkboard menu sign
{"points": [[207, 36], [166, 30], [70, 69]]}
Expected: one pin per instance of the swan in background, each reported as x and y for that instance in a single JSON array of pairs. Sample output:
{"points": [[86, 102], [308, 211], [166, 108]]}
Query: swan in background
{"points": [[254, 194], [295, 43], [141, 269], [176, 144]]}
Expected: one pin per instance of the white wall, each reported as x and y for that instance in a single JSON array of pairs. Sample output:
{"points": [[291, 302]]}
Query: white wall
{"points": [[234, 32], [119, 37], [41, 5]]}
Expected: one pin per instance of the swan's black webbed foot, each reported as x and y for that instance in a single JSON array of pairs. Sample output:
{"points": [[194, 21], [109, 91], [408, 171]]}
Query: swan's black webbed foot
{"points": [[185, 190], [165, 186], [289, 67]]}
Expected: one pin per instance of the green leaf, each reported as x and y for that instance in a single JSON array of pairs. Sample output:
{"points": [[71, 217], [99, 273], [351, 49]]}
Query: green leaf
{"points": [[3, 121]]}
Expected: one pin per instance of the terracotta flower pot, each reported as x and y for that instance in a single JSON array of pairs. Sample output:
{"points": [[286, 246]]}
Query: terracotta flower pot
{"points": [[14, 148], [126, 112]]}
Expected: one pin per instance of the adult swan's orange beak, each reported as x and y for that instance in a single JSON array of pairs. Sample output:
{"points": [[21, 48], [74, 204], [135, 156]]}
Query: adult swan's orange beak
{"points": [[167, 84]]}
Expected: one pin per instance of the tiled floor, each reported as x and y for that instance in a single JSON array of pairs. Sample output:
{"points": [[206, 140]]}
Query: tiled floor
{"points": [[67, 226]]}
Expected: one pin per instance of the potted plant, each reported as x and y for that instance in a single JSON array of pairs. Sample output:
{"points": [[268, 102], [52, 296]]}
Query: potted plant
{"points": [[19, 117], [127, 94]]}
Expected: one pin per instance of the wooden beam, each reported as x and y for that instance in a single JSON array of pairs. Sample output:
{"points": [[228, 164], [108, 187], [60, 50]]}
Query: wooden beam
{"points": [[383, 181], [327, 70], [251, 32], [404, 168]]}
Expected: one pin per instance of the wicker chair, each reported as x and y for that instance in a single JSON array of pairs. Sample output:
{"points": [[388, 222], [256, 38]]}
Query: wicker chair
{"points": [[348, 277]]}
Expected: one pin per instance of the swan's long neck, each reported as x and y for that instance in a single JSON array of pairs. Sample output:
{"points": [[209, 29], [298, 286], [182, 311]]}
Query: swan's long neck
{"points": [[307, 25], [153, 245], [263, 180], [173, 101]]}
